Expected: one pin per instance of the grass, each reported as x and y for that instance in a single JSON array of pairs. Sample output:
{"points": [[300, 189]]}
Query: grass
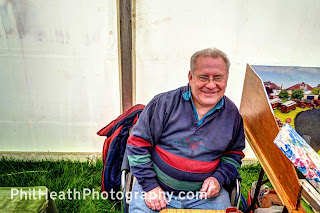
{"points": [[292, 114], [65, 174], [249, 174], [59, 176]]}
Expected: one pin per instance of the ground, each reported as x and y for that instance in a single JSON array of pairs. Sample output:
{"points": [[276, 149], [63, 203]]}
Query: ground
{"points": [[64, 174]]}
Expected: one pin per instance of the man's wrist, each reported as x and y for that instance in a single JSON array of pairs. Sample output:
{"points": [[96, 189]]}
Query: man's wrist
{"points": [[219, 177], [149, 184]]}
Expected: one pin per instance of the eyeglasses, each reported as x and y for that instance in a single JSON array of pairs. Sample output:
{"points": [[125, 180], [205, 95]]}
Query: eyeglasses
{"points": [[206, 79]]}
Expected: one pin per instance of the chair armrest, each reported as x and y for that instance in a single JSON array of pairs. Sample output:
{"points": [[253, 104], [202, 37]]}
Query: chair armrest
{"points": [[235, 194]]}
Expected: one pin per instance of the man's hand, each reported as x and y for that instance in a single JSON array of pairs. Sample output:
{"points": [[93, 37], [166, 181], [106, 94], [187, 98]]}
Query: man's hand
{"points": [[210, 188], [155, 199]]}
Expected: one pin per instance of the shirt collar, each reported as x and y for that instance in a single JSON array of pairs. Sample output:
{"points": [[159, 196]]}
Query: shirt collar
{"points": [[187, 96]]}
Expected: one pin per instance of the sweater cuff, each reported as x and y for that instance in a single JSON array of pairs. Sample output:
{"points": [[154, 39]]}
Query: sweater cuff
{"points": [[217, 175], [148, 184]]}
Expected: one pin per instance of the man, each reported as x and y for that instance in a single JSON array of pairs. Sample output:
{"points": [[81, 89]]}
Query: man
{"points": [[188, 140]]}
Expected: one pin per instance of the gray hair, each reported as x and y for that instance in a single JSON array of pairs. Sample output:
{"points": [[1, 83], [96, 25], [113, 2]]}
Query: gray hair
{"points": [[209, 52]]}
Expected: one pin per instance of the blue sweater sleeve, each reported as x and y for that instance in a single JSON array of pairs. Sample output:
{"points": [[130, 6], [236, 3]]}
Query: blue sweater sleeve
{"points": [[143, 138], [230, 161]]}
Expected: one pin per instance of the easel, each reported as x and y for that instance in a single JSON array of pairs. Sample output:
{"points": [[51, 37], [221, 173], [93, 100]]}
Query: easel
{"points": [[261, 129]]}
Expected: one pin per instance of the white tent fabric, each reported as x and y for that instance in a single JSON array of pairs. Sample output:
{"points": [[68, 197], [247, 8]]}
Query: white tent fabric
{"points": [[58, 74], [59, 69]]}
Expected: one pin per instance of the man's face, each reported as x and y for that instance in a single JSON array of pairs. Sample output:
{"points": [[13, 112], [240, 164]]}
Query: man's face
{"points": [[206, 94]]}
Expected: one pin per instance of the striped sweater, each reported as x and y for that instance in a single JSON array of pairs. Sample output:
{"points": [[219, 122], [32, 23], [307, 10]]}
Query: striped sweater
{"points": [[169, 148]]}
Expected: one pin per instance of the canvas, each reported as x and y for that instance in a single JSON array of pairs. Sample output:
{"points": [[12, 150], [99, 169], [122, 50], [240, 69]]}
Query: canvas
{"points": [[300, 153], [293, 94]]}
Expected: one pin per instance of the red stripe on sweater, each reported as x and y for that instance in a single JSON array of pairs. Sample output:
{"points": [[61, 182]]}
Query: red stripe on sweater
{"points": [[235, 152], [139, 142], [106, 129], [185, 164]]}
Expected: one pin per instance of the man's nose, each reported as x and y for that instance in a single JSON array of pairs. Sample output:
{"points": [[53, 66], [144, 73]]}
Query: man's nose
{"points": [[211, 84]]}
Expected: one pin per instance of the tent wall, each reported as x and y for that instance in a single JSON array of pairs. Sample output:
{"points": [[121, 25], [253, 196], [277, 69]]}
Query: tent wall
{"points": [[59, 78], [272, 32]]}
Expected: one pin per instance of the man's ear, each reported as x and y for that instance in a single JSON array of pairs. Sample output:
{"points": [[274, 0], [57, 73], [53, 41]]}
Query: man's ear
{"points": [[190, 76]]}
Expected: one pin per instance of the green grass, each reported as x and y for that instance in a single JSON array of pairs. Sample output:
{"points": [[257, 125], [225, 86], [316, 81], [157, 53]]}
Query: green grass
{"points": [[249, 174], [59, 176], [292, 114], [306, 207], [65, 174]]}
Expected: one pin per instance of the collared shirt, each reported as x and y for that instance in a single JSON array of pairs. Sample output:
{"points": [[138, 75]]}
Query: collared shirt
{"points": [[187, 96]]}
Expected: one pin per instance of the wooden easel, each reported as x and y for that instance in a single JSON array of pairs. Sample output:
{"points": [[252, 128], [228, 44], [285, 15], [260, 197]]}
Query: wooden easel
{"points": [[261, 129]]}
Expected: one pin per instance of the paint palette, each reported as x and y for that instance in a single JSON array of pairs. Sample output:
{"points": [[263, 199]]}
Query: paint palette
{"points": [[300, 153]]}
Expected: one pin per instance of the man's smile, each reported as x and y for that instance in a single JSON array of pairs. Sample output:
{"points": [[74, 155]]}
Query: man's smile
{"points": [[209, 93]]}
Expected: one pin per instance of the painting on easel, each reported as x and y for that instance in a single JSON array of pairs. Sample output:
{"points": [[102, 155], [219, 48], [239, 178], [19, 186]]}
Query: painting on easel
{"points": [[293, 94]]}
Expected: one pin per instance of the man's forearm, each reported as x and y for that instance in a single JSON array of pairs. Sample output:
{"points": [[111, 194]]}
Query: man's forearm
{"points": [[140, 162]]}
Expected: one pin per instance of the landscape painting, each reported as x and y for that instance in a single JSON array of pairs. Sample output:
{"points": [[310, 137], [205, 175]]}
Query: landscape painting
{"points": [[293, 93]]}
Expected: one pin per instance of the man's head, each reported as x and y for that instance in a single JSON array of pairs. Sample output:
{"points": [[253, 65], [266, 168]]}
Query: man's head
{"points": [[209, 52], [208, 76]]}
